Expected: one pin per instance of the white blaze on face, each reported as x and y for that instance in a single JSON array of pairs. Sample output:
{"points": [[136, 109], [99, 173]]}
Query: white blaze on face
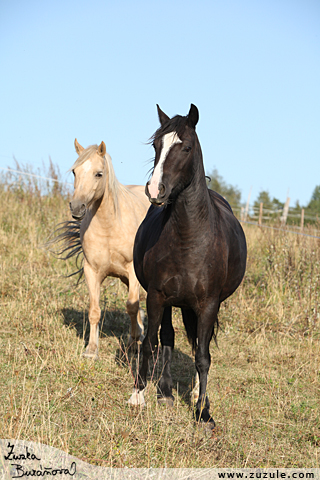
{"points": [[168, 141]]}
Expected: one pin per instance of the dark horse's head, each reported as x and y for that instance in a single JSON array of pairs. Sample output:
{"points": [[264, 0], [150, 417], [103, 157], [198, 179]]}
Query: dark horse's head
{"points": [[175, 143]]}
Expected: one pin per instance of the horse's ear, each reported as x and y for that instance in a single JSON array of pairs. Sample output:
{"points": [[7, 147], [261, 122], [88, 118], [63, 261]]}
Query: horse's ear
{"points": [[193, 116], [102, 149], [163, 118], [78, 147]]}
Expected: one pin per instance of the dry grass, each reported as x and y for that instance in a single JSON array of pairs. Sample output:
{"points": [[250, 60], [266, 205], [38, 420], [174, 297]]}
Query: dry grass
{"points": [[264, 382]]}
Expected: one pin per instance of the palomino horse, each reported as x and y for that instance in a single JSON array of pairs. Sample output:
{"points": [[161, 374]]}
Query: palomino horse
{"points": [[110, 214], [190, 252]]}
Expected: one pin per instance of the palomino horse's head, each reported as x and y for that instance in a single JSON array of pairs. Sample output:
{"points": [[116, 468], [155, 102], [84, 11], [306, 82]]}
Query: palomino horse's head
{"points": [[89, 178], [176, 145]]}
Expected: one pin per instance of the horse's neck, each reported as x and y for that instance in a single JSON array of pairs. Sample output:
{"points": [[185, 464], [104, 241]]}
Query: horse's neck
{"points": [[104, 210], [193, 203]]}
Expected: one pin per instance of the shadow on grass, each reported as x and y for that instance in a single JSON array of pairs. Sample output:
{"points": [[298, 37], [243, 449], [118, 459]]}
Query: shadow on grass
{"points": [[116, 323]]}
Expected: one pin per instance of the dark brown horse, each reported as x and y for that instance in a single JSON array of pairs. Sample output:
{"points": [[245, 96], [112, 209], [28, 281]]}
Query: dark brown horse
{"points": [[189, 252]]}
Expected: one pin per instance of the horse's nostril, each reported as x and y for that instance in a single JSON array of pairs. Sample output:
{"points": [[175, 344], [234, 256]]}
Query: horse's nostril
{"points": [[162, 190], [146, 190]]}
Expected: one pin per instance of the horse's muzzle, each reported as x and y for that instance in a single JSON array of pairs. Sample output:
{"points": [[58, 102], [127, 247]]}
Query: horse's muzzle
{"points": [[160, 199], [78, 210]]}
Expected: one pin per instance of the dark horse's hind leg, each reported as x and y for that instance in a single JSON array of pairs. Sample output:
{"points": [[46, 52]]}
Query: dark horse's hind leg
{"points": [[206, 322], [164, 393]]}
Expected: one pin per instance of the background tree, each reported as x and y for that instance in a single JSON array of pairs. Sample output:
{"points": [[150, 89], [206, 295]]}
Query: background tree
{"points": [[231, 193], [294, 217], [313, 206], [277, 205], [271, 207], [263, 197]]}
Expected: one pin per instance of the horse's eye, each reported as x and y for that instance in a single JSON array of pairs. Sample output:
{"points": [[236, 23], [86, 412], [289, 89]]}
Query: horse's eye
{"points": [[99, 174], [187, 149]]}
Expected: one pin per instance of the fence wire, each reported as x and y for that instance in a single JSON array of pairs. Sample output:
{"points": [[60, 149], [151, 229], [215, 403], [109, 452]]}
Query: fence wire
{"points": [[34, 175], [285, 230]]}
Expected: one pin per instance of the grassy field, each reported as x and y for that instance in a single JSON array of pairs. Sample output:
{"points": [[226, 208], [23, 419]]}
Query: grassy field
{"points": [[264, 381]]}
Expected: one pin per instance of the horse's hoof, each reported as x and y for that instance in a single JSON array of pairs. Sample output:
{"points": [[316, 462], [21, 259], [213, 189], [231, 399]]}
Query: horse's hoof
{"points": [[168, 401], [135, 345], [92, 355], [194, 397], [137, 398], [194, 394], [208, 426]]}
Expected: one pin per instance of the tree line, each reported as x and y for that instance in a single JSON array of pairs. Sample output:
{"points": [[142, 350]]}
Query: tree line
{"points": [[272, 206]]}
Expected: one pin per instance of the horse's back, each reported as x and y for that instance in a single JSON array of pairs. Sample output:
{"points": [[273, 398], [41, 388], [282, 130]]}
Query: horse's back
{"points": [[218, 199], [139, 192], [228, 221], [138, 202], [235, 241]]}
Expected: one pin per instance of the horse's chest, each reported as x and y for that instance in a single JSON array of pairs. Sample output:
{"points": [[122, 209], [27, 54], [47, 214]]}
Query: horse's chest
{"points": [[181, 271], [98, 259], [179, 284], [102, 257], [183, 290]]}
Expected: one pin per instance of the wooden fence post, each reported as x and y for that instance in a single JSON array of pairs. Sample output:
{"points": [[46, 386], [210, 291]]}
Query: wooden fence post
{"points": [[302, 220], [260, 214], [247, 206], [285, 212]]}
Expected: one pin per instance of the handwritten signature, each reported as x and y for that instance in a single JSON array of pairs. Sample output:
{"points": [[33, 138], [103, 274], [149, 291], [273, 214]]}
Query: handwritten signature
{"points": [[22, 471]]}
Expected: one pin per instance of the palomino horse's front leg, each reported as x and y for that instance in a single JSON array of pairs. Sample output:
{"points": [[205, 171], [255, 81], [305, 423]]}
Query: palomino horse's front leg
{"points": [[149, 346], [135, 313], [93, 283]]}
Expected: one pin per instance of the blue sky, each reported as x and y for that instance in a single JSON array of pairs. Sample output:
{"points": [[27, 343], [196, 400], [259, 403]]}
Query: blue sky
{"points": [[95, 70]]}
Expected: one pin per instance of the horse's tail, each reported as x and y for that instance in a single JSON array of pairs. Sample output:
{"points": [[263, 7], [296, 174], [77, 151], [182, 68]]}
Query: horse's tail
{"points": [[65, 243]]}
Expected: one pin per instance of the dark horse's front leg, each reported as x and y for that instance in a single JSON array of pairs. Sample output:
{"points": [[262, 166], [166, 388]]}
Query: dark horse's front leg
{"points": [[164, 393], [149, 345], [206, 321]]}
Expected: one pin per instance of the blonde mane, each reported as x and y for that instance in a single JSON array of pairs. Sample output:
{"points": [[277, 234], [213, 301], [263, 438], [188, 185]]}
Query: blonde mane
{"points": [[115, 188]]}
